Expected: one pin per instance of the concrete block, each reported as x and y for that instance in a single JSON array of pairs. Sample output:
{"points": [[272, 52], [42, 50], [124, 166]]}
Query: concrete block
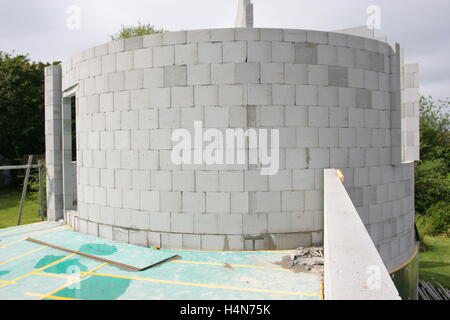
{"points": [[283, 52], [143, 58], [255, 223], [296, 73], [217, 202], [154, 78], [328, 96], [186, 54], [159, 98], [106, 102], [293, 201], [223, 73], [239, 202], [214, 243], [305, 53], [307, 95], [134, 79], [230, 95], [296, 159], [282, 181], [169, 118], [356, 157], [226, 34], [338, 76], [302, 221], [182, 96], [206, 96], [182, 222], [175, 76], [296, 116], [230, 224], [124, 61], [318, 75], [319, 158], [347, 137], [272, 116], [198, 36], [138, 237], [105, 231], [238, 117], [163, 56], [247, 34], [194, 202], [209, 53], [207, 181], [131, 199], [109, 63], [253, 181], [259, 51], [191, 241], [313, 200], [206, 223], [150, 201], [338, 117], [329, 137], [295, 35], [283, 94], [355, 118], [123, 179], [199, 74], [102, 83], [339, 158], [171, 201], [327, 55], [129, 120], [279, 222], [171, 240], [140, 180], [153, 40], [116, 81], [307, 137], [259, 94], [161, 180], [356, 78], [230, 181], [317, 37], [148, 119], [120, 234], [346, 57], [247, 73], [318, 116], [235, 52], [216, 117], [122, 140]]}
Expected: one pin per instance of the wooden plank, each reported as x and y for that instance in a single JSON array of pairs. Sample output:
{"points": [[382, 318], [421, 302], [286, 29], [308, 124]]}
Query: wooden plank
{"points": [[24, 190], [120, 265]]}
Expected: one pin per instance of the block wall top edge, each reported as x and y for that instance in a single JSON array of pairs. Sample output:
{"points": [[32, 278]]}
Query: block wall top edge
{"points": [[79, 57]]}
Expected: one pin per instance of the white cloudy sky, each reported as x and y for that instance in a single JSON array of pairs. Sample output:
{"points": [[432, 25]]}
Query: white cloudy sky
{"points": [[38, 27]]}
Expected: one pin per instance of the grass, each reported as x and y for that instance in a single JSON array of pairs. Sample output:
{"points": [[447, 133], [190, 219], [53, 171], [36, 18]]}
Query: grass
{"points": [[9, 208], [434, 261]]}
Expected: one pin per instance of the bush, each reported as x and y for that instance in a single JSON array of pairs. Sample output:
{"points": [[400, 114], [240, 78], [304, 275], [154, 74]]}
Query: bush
{"points": [[135, 31], [432, 189], [436, 221]]}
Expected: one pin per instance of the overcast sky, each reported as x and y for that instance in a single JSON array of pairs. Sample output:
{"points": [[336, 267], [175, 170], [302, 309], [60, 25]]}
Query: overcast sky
{"points": [[39, 27]]}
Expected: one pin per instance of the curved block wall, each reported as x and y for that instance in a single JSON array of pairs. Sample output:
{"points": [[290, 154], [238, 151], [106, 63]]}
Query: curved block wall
{"points": [[334, 98]]}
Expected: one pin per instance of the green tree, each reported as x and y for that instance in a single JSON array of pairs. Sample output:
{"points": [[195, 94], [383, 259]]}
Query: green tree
{"points": [[141, 29], [21, 106], [433, 171]]}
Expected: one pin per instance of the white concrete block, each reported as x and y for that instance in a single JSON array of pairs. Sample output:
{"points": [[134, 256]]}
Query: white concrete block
{"points": [[239, 202], [154, 78], [171, 201], [259, 51], [175, 76], [282, 181], [216, 117], [194, 202], [230, 95], [254, 181], [293, 201], [124, 61], [218, 202], [329, 137], [259, 94], [183, 181], [230, 181], [318, 75], [296, 73], [207, 181], [148, 119], [234, 52], [296, 159], [161, 180], [272, 73], [199, 74], [148, 159], [307, 95], [206, 223], [272, 116], [283, 52], [247, 73], [182, 96], [255, 223], [169, 118], [186, 54], [222, 73], [140, 139], [318, 116], [283, 94], [209, 53], [163, 56], [296, 116]]}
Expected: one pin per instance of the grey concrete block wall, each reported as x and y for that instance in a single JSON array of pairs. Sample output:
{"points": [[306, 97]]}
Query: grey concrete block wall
{"points": [[334, 98]]}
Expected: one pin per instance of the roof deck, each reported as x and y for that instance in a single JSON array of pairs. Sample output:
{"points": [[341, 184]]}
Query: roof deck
{"points": [[29, 270]]}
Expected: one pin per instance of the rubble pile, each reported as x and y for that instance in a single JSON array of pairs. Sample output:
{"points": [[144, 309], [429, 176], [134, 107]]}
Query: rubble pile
{"points": [[308, 258]]}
